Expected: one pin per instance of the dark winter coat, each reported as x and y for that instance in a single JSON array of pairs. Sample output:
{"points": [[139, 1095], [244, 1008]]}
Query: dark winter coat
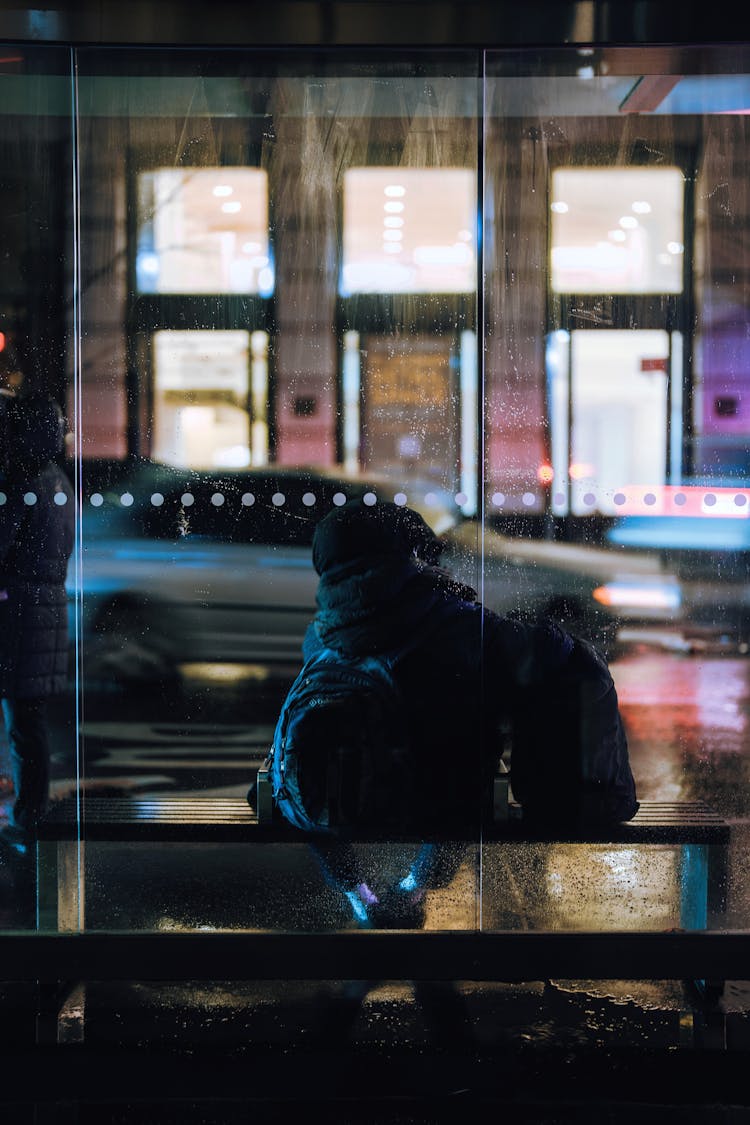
{"points": [[473, 676], [36, 542], [461, 680]]}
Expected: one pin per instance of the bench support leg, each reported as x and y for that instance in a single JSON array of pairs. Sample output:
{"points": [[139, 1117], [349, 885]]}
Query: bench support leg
{"points": [[699, 865], [51, 999], [60, 902], [60, 885], [693, 886]]}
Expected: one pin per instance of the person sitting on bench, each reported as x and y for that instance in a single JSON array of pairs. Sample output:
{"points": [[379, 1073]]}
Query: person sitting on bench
{"points": [[470, 674]]}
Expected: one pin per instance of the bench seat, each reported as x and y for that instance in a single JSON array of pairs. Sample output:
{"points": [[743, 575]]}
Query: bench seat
{"points": [[701, 835], [63, 951], [231, 820]]}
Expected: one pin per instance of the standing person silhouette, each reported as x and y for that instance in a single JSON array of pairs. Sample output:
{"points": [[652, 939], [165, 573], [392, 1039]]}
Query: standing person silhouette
{"points": [[37, 532], [6, 397]]}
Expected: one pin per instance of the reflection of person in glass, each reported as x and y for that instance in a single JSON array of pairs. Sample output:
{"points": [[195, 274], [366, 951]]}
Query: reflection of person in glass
{"points": [[37, 528]]}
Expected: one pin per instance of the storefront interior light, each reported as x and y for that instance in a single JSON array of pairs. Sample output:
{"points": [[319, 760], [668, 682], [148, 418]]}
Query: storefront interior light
{"points": [[265, 282], [442, 255], [148, 263]]}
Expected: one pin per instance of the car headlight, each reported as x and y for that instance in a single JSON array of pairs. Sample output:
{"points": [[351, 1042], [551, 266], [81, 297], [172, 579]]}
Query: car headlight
{"points": [[636, 595]]}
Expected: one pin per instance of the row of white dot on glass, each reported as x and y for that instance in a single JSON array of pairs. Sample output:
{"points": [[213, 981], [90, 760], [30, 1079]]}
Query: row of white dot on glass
{"points": [[309, 499], [649, 499], [30, 498], [278, 499]]}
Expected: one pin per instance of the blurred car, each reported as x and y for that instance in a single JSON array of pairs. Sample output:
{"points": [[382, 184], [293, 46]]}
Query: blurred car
{"points": [[662, 579], [705, 563], [180, 567], [528, 578]]}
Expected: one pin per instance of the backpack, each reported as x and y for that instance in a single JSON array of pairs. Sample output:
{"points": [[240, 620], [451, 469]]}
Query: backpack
{"points": [[569, 758], [341, 755]]}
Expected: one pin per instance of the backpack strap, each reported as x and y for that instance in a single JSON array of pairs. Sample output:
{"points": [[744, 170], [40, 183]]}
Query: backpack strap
{"points": [[261, 795]]}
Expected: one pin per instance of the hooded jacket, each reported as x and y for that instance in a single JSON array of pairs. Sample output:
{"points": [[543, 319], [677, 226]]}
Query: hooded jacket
{"points": [[470, 675], [37, 531]]}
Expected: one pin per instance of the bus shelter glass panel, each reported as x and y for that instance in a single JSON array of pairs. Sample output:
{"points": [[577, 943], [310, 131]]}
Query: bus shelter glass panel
{"points": [[39, 760], [615, 491], [223, 417]]}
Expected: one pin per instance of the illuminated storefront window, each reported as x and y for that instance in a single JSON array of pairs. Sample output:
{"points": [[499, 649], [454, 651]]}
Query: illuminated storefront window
{"points": [[409, 231], [201, 387], [617, 401], [617, 230], [203, 230]]}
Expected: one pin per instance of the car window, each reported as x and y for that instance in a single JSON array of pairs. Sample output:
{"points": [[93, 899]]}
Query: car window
{"points": [[273, 507], [269, 511]]}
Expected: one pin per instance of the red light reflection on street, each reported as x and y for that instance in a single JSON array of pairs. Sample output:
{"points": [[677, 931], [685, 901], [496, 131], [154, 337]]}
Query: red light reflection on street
{"points": [[687, 721]]}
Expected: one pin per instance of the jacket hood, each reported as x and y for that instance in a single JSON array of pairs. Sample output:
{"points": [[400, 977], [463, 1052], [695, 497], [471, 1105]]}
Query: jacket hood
{"points": [[377, 609], [357, 533], [377, 581]]}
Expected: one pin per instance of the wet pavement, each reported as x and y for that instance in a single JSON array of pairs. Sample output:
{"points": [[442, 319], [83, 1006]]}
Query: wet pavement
{"points": [[544, 1051]]}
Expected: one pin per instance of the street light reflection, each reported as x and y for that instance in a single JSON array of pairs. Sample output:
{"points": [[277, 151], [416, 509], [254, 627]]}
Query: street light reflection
{"points": [[605, 888], [220, 673], [582, 887]]}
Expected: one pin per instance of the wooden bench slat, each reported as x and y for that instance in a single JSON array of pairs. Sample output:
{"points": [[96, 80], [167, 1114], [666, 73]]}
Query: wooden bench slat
{"points": [[231, 819]]}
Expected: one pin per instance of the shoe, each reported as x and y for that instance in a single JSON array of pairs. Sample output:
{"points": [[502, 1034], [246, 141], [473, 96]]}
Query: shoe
{"points": [[399, 910], [362, 900], [14, 839]]}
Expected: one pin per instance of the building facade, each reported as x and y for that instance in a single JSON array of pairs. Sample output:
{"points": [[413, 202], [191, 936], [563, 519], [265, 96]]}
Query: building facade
{"points": [[465, 334]]}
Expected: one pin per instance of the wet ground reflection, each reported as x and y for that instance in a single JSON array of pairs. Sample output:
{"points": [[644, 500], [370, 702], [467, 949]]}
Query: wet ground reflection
{"points": [[687, 720]]}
